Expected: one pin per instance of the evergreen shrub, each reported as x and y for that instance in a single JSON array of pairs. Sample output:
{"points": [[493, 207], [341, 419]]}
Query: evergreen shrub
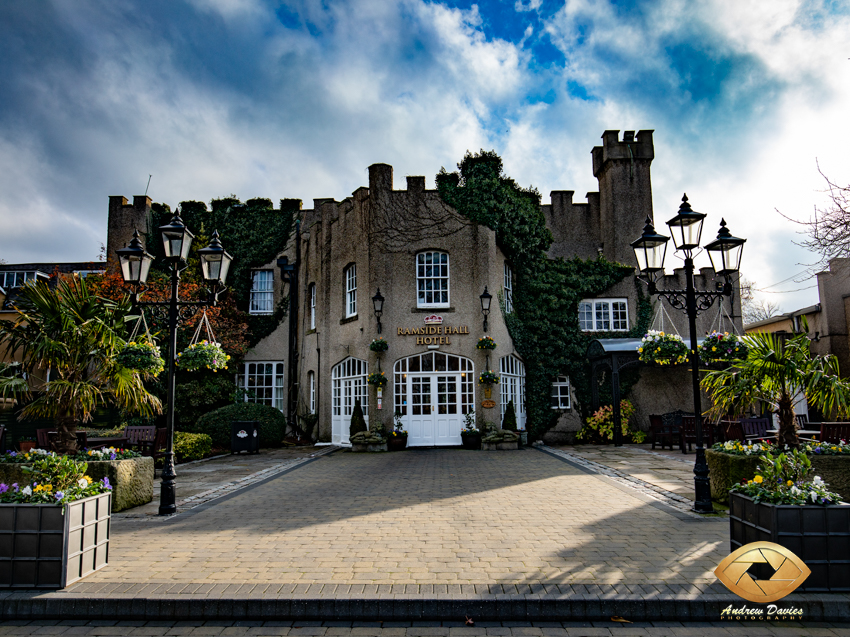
{"points": [[216, 424], [509, 421], [358, 422], [190, 446]]}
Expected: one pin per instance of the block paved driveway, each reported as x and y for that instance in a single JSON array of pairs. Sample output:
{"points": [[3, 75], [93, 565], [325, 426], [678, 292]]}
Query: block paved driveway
{"points": [[423, 517]]}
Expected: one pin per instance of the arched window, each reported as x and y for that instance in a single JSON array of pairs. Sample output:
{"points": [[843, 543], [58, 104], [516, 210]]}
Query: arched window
{"points": [[348, 380], [432, 279], [512, 386]]}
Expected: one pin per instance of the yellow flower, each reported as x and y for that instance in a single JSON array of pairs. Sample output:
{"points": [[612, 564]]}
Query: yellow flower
{"points": [[790, 483], [758, 479], [713, 349], [835, 448]]}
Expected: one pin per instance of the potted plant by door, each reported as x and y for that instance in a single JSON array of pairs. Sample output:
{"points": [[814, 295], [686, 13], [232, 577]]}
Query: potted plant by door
{"points": [[470, 435], [781, 504], [55, 528], [397, 440], [26, 444]]}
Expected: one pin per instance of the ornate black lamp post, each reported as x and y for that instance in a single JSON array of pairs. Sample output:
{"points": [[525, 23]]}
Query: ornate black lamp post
{"points": [[486, 298], [725, 254], [135, 265], [378, 305]]}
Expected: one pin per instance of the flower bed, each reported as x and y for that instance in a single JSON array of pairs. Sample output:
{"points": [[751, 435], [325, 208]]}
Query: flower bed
{"points": [[733, 463], [130, 478]]}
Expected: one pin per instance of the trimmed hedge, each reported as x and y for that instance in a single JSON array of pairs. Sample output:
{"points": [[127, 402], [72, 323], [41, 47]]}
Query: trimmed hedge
{"points": [[216, 424], [726, 469], [189, 446]]}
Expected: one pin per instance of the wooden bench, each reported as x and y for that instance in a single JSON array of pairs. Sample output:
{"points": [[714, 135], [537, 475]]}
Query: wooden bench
{"points": [[755, 429], [835, 432], [156, 447], [138, 436], [688, 433]]}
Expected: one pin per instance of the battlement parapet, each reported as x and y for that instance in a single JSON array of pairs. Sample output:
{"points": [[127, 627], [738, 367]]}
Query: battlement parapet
{"points": [[631, 148]]}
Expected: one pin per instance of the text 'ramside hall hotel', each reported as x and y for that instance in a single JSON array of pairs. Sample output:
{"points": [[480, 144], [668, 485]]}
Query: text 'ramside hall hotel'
{"points": [[432, 266]]}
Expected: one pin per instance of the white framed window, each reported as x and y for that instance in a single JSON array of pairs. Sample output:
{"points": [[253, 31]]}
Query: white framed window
{"points": [[16, 279], [262, 382], [262, 292], [603, 315], [561, 393], [351, 290], [312, 376], [312, 306], [508, 289], [432, 279], [512, 387]]}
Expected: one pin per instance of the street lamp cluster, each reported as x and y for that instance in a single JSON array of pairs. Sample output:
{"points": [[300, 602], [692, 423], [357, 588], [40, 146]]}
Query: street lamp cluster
{"points": [[135, 265], [725, 255]]}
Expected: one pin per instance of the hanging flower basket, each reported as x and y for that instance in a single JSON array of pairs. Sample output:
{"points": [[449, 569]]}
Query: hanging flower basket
{"points": [[722, 346], [485, 342], [203, 354], [377, 379], [379, 345], [488, 378], [663, 349], [141, 356]]}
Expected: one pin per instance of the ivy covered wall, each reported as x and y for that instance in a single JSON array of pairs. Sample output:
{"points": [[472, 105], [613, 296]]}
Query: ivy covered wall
{"points": [[544, 321]]}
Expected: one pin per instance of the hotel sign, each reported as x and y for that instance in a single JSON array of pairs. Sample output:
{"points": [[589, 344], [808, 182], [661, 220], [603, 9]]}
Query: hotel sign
{"points": [[434, 332]]}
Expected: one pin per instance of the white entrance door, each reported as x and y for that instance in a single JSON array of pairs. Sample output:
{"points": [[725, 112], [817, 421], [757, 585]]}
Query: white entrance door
{"points": [[349, 385], [433, 392]]}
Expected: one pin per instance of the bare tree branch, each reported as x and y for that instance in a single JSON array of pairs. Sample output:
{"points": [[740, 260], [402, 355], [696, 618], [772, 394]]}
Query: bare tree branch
{"points": [[828, 229]]}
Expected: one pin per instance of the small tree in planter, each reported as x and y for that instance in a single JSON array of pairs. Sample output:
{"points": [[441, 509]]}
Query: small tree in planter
{"points": [[509, 421], [775, 371], [470, 435], [358, 422]]}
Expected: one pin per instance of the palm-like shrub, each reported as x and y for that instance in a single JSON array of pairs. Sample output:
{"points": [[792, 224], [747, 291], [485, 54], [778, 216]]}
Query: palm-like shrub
{"points": [[77, 336], [775, 371]]}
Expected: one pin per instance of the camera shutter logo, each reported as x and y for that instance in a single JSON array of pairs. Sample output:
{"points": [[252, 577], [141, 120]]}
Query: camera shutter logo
{"points": [[789, 571]]}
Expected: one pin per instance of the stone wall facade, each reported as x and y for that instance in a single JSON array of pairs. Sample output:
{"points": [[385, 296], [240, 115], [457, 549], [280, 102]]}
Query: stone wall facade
{"points": [[381, 233]]}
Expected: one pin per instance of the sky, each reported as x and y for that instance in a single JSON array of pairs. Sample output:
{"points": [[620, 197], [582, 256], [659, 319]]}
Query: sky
{"points": [[296, 98]]}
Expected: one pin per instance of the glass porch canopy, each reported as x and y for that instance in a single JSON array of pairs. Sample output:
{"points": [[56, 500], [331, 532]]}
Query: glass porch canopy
{"points": [[614, 354]]}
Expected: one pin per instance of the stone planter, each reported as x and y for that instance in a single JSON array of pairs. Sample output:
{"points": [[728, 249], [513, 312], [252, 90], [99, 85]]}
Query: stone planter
{"points": [[471, 441], [818, 535], [397, 443], [42, 548], [726, 470], [499, 446], [369, 447], [131, 479]]}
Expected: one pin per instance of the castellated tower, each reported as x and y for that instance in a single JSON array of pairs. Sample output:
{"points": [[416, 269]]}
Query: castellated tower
{"points": [[625, 190], [614, 216], [123, 219]]}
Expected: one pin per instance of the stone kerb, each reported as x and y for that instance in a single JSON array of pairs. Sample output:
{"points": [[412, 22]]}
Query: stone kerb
{"points": [[131, 479]]}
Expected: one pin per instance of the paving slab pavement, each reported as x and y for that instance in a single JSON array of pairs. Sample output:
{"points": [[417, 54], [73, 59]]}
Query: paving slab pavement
{"points": [[422, 534]]}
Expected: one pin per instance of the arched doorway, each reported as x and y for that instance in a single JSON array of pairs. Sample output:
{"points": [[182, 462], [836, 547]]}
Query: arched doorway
{"points": [[348, 380], [433, 392]]}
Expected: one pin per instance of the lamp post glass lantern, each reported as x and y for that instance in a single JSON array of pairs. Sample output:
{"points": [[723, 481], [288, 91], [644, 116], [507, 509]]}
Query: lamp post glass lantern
{"points": [[134, 261], [725, 251], [486, 299], [378, 305], [135, 264]]}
